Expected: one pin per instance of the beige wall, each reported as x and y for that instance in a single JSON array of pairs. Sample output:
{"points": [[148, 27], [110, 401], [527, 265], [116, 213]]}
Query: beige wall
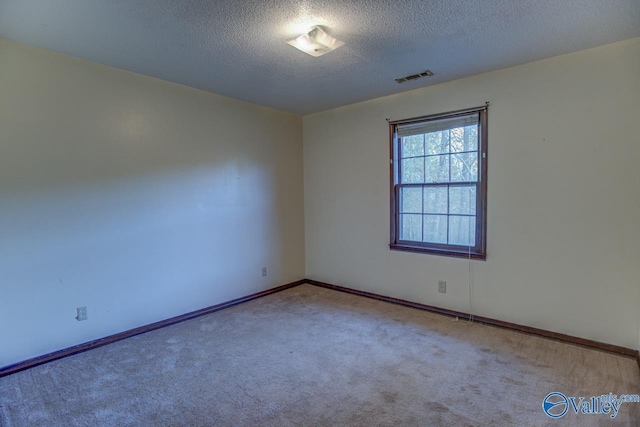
{"points": [[137, 198], [563, 196], [142, 199]]}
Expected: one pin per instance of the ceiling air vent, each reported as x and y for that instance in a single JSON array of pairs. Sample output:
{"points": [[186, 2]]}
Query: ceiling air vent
{"points": [[425, 73]]}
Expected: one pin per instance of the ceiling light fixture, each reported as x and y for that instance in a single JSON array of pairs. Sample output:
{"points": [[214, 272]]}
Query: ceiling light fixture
{"points": [[316, 42]]}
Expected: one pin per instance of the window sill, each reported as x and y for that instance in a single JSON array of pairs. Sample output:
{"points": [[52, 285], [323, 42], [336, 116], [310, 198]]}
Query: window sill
{"points": [[440, 252]]}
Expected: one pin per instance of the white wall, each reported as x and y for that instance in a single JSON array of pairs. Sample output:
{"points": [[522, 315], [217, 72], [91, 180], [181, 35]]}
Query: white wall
{"points": [[563, 196], [137, 198]]}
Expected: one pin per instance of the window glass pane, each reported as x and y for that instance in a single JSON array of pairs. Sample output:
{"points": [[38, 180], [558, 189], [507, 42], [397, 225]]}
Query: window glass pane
{"points": [[462, 230], [412, 146], [435, 200], [411, 227], [462, 200], [437, 142], [437, 168], [435, 228], [464, 139], [412, 170], [411, 200], [464, 167]]}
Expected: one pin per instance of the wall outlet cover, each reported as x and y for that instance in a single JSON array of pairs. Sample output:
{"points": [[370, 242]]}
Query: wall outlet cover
{"points": [[442, 286], [82, 314]]}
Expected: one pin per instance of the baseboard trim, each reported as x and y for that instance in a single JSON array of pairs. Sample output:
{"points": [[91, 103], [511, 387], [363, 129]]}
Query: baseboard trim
{"points": [[30, 363], [610, 348]]}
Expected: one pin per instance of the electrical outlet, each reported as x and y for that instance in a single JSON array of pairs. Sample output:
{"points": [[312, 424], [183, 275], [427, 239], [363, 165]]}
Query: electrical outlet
{"points": [[82, 314], [442, 286], [264, 271]]}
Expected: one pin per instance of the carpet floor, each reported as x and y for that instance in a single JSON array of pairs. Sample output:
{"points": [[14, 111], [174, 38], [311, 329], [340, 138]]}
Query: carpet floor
{"points": [[309, 356]]}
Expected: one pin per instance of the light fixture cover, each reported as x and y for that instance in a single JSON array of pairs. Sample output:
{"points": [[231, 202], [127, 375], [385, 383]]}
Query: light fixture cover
{"points": [[316, 42]]}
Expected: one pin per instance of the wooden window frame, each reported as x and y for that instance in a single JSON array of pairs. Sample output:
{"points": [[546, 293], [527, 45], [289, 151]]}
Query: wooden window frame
{"points": [[479, 251]]}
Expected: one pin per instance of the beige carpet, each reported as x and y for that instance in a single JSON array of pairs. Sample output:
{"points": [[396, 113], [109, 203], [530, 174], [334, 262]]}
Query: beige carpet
{"points": [[311, 356]]}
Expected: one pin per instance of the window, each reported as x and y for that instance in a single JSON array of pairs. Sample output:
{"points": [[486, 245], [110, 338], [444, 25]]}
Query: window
{"points": [[439, 183]]}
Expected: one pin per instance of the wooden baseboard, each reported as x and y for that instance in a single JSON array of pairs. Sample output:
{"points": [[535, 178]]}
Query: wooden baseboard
{"points": [[610, 348], [30, 363]]}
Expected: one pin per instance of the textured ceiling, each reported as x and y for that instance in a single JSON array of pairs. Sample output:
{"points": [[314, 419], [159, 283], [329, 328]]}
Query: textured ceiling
{"points": [[238, 49]]}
